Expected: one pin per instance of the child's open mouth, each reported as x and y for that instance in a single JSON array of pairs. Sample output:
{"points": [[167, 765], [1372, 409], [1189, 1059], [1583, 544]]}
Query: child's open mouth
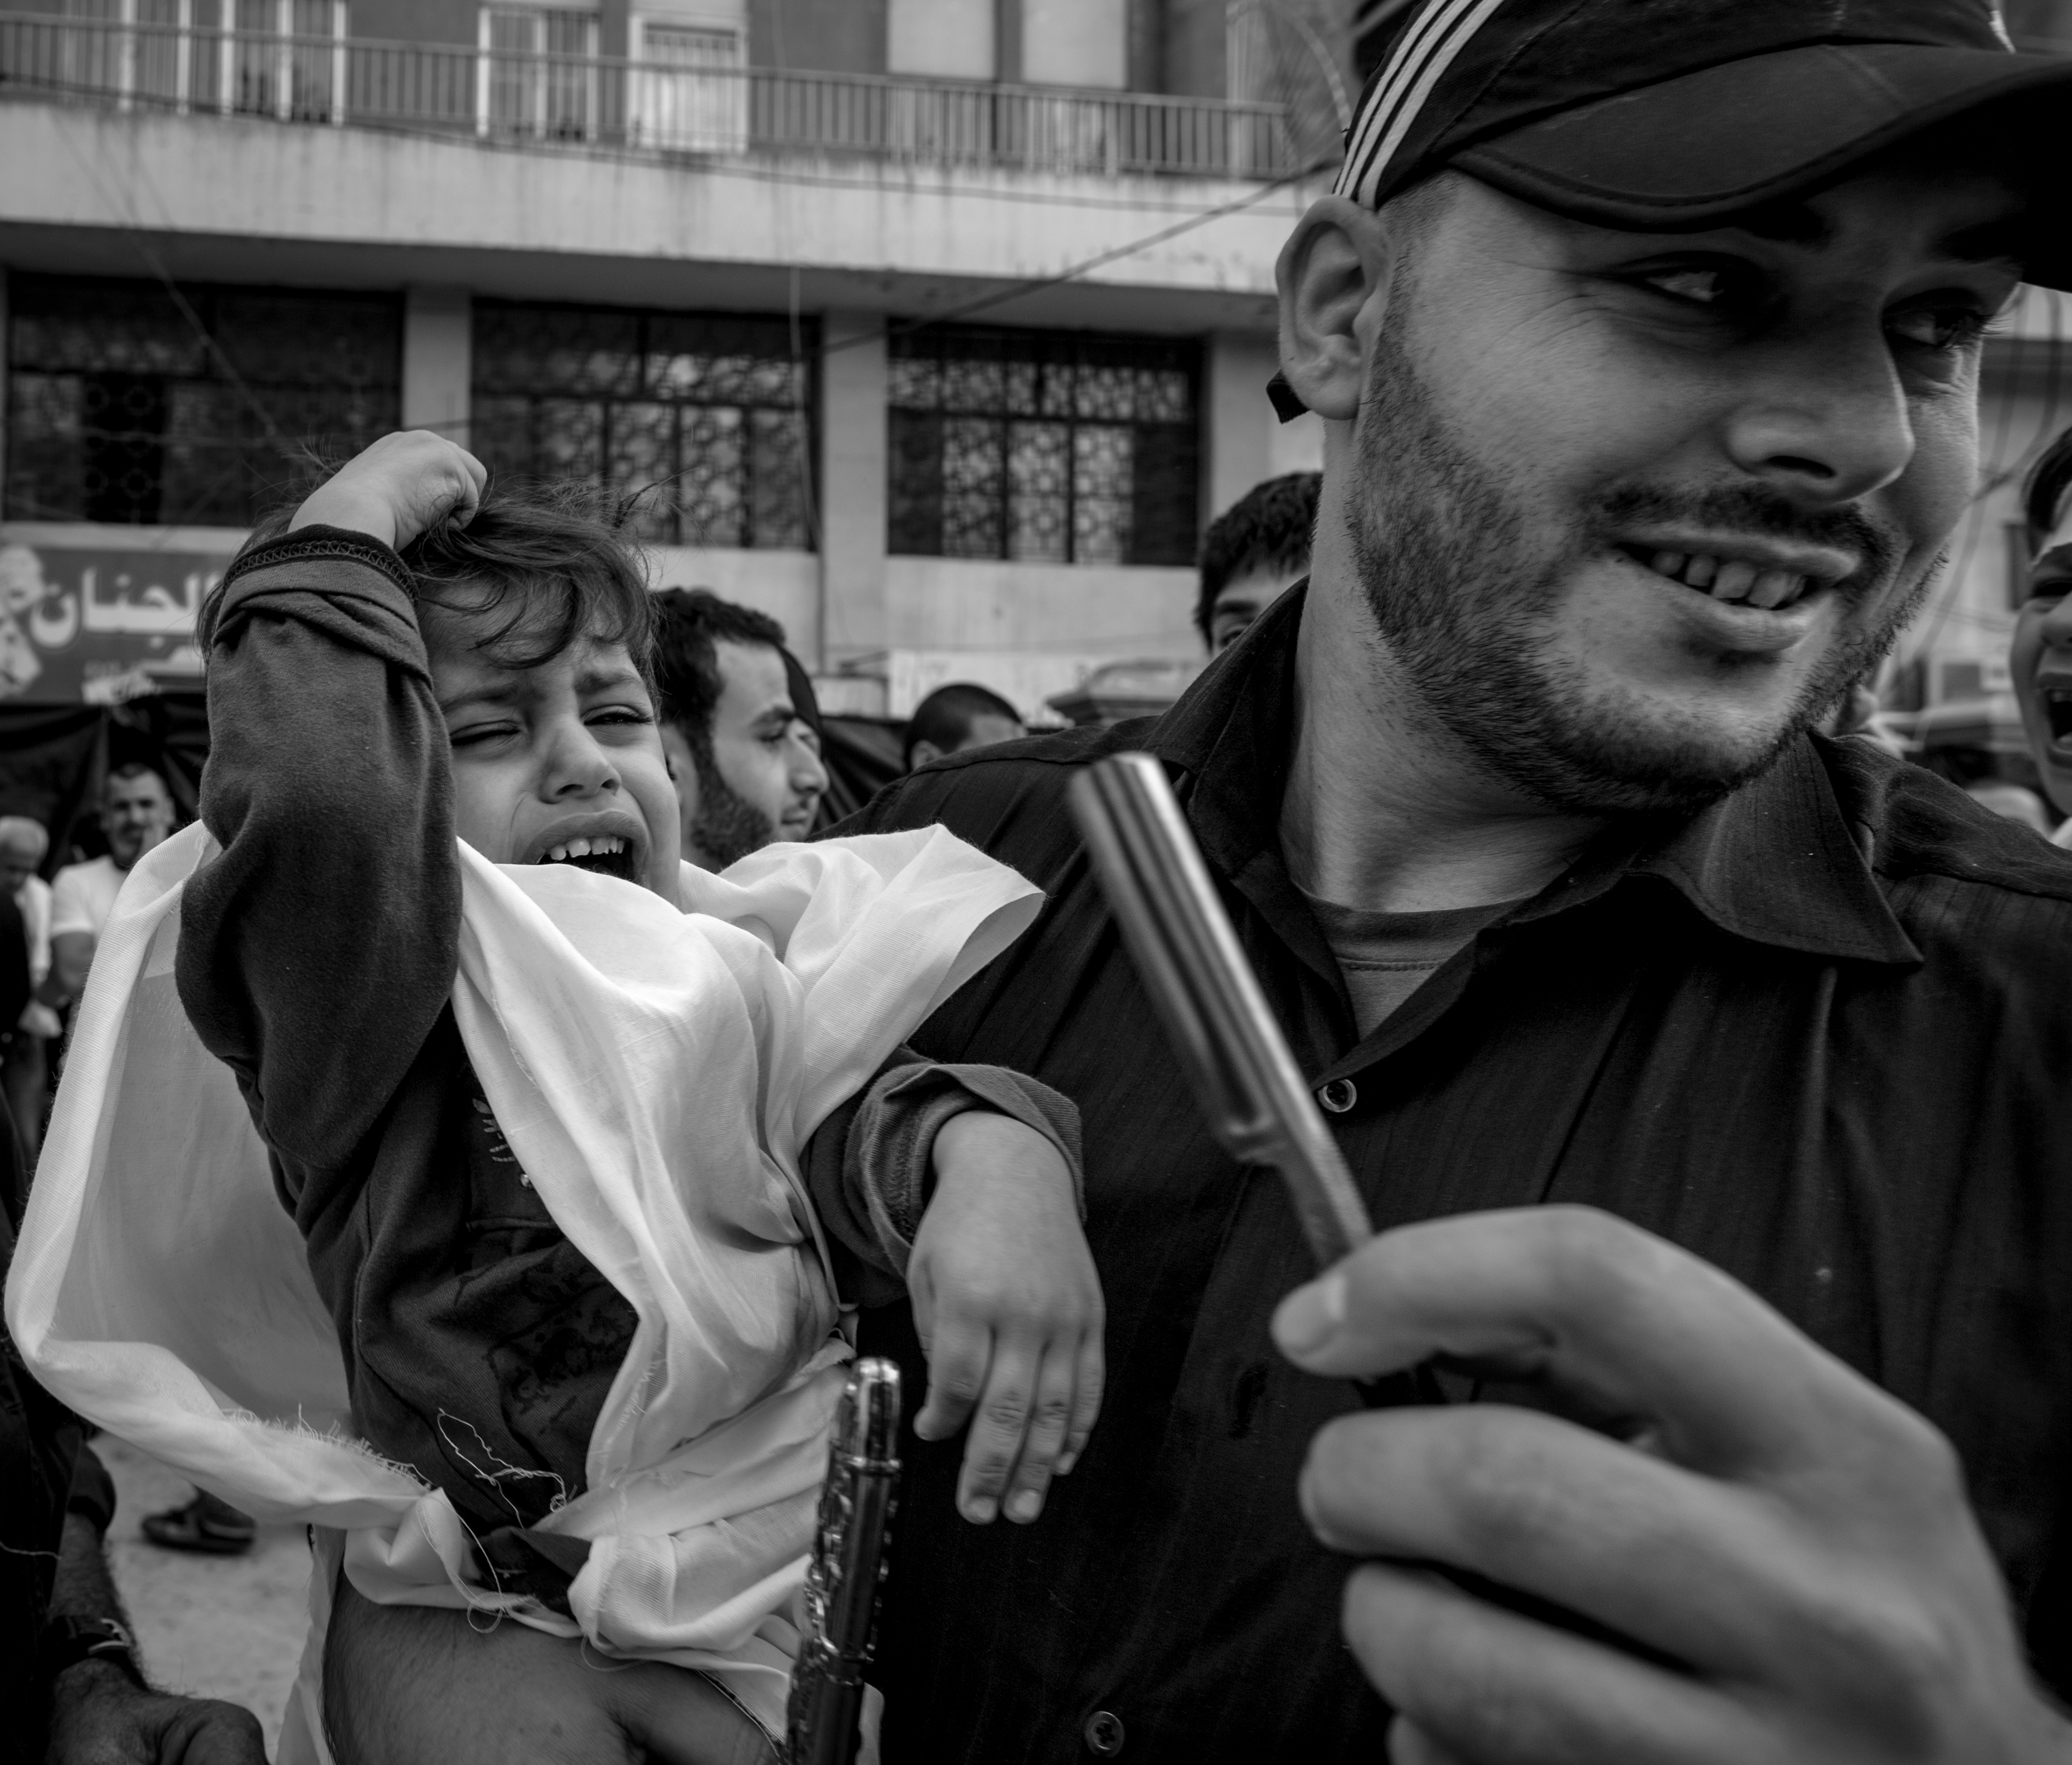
{"points": [[606, 854]]}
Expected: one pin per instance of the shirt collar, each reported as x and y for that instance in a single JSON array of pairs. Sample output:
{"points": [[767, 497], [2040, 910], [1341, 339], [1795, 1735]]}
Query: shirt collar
{"points": [[1774, 862]]}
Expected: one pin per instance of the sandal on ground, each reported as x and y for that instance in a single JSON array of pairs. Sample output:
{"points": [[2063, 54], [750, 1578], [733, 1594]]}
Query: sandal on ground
{"points": [[205, 1524]]}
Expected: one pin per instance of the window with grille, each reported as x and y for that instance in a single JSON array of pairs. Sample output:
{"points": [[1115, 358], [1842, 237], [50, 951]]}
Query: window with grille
{"points": [[538, 73], [690, 91], [122, 407], [703, 419], [1045, 446]]}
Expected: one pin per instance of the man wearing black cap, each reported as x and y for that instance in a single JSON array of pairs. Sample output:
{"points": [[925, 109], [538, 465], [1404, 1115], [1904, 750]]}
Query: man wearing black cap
{"points": [[1647, 334]]}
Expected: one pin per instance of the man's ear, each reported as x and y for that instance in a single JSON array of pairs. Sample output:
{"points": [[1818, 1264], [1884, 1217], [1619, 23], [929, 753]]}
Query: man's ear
{"points": [[1335, 262]]}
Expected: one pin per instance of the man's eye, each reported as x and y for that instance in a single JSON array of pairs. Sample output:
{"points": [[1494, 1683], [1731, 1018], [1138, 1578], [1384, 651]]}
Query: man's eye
{"points": [[1701, 284], [1938, 327]]}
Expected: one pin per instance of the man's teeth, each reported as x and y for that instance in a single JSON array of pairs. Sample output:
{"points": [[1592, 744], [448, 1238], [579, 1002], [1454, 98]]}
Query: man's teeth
{"points": [[584, 849], [1730, 579]]}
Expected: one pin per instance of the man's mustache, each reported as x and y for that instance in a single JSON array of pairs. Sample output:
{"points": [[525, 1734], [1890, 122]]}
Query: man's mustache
{"points": [[1751, 509]]}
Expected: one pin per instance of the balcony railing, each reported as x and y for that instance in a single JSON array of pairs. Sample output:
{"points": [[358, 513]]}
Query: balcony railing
{"points": [[644, 108]]}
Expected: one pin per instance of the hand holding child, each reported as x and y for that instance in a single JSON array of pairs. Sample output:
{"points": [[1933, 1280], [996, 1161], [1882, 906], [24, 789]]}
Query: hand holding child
{"points": [[397, 488], [1009, 1308]]}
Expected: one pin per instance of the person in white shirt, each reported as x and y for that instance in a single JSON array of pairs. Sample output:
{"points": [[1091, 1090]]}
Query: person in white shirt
{"points": [[136, 814], [24, 1069]]}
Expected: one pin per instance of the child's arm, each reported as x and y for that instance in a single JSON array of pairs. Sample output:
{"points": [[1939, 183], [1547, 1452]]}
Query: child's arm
{"points": [[963, 1183], [1009, 1308], [318, 949]]}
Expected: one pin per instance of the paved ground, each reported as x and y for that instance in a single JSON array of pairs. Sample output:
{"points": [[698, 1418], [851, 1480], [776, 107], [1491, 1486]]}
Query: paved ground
{"points": [[224, 1627]]}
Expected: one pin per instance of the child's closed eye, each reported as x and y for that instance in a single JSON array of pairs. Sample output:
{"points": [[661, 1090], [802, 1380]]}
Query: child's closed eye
{"points": [[476, 734]]}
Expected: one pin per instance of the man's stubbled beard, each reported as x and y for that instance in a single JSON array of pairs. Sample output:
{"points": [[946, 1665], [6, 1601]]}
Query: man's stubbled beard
{"points": [[1469, 602], [727, 827]]}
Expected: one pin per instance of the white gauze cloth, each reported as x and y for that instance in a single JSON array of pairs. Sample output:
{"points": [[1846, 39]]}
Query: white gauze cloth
{"points": [[656, 1072]]}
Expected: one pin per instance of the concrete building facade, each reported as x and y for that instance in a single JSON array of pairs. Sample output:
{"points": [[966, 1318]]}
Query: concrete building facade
{"points": [[936, 328]]}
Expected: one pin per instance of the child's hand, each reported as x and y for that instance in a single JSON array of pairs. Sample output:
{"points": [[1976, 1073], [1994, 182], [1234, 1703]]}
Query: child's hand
{"points": [[397, 488], [1009, 1308]]}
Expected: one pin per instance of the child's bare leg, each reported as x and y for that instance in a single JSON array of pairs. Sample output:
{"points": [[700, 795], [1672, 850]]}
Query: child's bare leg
{"points": [[420, 1685]]}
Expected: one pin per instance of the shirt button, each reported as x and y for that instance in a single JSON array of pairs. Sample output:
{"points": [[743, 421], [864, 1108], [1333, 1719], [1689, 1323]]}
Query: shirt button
{"points": [[1103, 1733], [1338, 1096]]}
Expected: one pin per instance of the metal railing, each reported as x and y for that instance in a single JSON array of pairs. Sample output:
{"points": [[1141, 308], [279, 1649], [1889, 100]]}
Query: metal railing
{"points": [[646, 108]]}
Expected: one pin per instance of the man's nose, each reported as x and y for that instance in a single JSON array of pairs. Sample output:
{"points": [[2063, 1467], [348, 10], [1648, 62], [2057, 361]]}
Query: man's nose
{"points": [[1827, 421], [809, 772]]}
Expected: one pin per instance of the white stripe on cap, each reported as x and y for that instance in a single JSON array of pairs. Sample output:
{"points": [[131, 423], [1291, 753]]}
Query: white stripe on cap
{"points": [[1416, 66]]}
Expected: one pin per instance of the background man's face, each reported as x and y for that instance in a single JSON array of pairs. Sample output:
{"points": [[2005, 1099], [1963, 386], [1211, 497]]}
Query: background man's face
{"points": [[18, 865], [764, 779], [136, 814], [1633, 508], [1241, 600], [2041, 664], [986, 729]]}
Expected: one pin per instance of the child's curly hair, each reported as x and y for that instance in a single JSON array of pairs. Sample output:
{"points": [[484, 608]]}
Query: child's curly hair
{"points": [[542, 564]]}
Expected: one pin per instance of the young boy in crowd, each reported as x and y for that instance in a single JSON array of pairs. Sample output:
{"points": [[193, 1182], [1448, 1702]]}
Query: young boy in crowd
{"points": [[405, 664], [1252, 553]]}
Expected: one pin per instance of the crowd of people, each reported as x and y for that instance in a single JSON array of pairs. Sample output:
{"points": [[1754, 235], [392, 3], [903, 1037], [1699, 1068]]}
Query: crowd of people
{"points": [[497, 1122]]}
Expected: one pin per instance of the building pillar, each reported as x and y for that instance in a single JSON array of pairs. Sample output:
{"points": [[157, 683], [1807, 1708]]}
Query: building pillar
{"points": [[853, 620], [438, 349], [1247, 441], [6, 378]]}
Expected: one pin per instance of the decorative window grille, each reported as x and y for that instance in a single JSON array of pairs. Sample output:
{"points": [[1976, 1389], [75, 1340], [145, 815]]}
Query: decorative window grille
{"points": [[703, 421], [122, 408], [1050, 446], [537, 76], [690, 88]]}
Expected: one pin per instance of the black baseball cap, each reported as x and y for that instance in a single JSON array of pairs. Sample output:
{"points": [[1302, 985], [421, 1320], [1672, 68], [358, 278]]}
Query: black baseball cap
{"points": [[1681, 113]]}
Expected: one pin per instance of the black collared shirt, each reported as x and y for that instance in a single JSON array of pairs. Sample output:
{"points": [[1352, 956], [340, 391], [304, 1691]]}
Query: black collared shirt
{"points": [[1821, 1035]]}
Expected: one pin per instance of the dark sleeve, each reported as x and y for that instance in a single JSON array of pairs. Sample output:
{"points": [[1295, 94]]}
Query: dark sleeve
{"points": [[40, 1441], [869, 1165], [318, 950]]}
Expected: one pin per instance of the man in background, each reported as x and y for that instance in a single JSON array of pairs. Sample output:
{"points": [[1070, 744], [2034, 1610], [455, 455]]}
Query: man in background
{"points": [[745, 756], [136, 814], [956, 718], [25, 1066], [1254, 549]]}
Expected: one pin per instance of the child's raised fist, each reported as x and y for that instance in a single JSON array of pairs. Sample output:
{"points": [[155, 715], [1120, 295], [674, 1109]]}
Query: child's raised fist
{"points": [[397, 488]]}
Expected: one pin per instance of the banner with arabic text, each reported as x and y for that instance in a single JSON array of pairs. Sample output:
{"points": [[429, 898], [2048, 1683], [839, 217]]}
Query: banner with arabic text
{"points": [[100, 614]]}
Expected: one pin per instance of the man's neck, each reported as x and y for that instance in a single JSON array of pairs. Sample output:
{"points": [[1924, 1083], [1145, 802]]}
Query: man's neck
{"points": [[1384, 811]]}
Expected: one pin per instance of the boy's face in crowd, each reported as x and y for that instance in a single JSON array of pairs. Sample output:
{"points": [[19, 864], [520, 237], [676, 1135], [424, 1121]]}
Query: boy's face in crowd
{"points": [[1633, 508], [2041, 663], [986, 729], [558, 763], [18, 865], [1241, 600], [770, 778], [136, 814]]}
